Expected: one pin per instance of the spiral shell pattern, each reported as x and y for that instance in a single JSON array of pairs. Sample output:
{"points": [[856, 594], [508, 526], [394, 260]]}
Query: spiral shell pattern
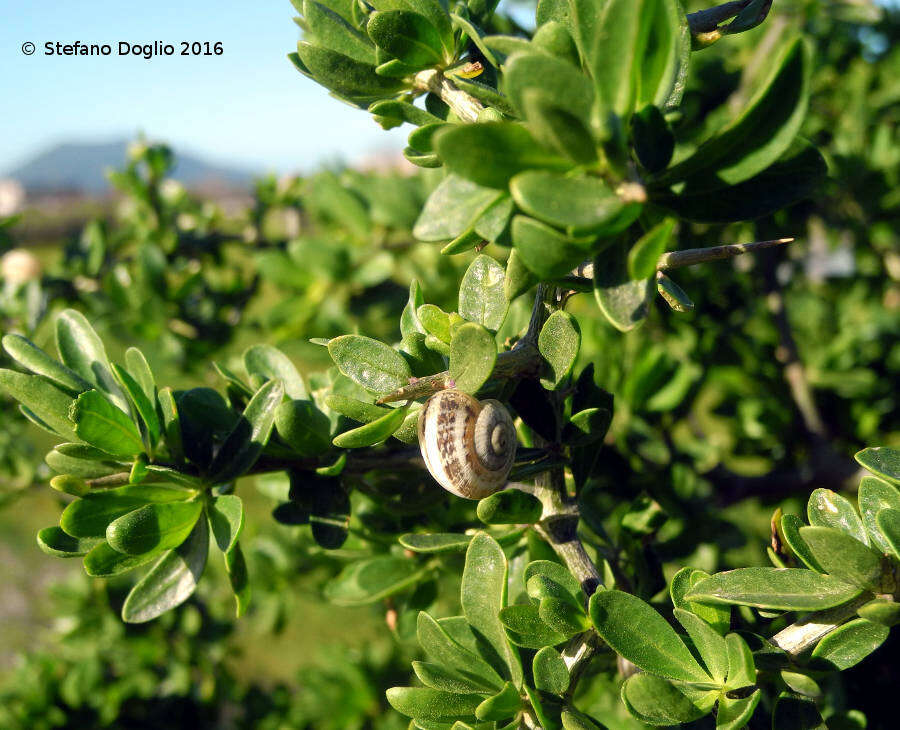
{"points": [[468, 446]]}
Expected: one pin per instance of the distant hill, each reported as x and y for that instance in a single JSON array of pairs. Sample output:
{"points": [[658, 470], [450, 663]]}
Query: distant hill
{"points": [[77, 166]]}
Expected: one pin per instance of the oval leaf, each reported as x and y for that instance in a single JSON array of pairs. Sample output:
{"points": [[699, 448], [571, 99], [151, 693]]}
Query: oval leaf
{"points": [[636, 631], [786, 589], [171, 581]]}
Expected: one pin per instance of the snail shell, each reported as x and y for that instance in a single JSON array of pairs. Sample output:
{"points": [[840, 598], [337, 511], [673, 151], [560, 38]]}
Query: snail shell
{"points": [[468, 446]]}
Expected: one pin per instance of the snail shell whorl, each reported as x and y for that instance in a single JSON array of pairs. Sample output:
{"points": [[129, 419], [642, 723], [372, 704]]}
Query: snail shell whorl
{"points": [[468, 446]]}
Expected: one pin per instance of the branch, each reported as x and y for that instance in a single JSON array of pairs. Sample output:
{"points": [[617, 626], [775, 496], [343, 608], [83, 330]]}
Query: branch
{"points": [[466, 107], [693, 256], [524, 359], [803, 635], [581, 276]]}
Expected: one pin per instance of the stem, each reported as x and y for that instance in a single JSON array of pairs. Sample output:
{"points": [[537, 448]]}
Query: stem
{"points": [[466, 107], [803, 635], [693, 256], [579, 279], [524, 359]]}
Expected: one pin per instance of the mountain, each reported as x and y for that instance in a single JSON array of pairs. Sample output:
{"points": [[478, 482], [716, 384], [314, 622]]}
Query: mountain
{"points": [[82, 166]]}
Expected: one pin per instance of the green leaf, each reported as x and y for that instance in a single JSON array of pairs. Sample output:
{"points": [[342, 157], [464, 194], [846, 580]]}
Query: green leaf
{"points": [[801, 683], [139, 369], [710, 645], [848, 645], [562, 616], [103, 562], [303, 427], [404, 111], [796, 713], [794, 176], [786, 589], [881, 611], [581, 205], [104, 426], [473, 354], [674, 295], [171, 423], [829, 509], [435, 321], [90, 515], [432, 704], [153, 527], [494, 222], [81, 350], [653, 141], [264, 362], [734, 714], [609, 37], [367, 581], [492, 153], [226, 520], [559, 342], [645, 253], [453, 208], [790, 529], [665, 54], [882, 461], [653, 700], [719, 617], [453, 657], [519, 278], [47, 402], [557, 81], [81, 460], [330, 30], [236, 566], [550, 673], [481, 297], [406, 36], [844, 557], [30, 356], [171, 581], [145, 408], [439, 542], [741, 667], [763, 131], [438, 677], [544, 578], [369, 363], [344, 75], [624, 301], [888, 521], [372, 433], [635, 630], [525, 628], [483, 594], [501, 706], [509, 507], [409, 318], [54, 541], [250, 434], [573, 719], [874, 495], [544, 250]]}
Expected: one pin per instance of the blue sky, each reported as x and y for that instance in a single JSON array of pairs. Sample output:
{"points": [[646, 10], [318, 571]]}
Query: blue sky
{"points": [[248, 107]]}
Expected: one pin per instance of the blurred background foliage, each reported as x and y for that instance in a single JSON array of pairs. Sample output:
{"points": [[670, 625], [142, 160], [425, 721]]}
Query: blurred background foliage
{"points": [[789, 363]]}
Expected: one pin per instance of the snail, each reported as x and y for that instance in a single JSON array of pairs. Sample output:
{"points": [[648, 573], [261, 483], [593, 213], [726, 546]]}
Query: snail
{"points": [[468, 446]]}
